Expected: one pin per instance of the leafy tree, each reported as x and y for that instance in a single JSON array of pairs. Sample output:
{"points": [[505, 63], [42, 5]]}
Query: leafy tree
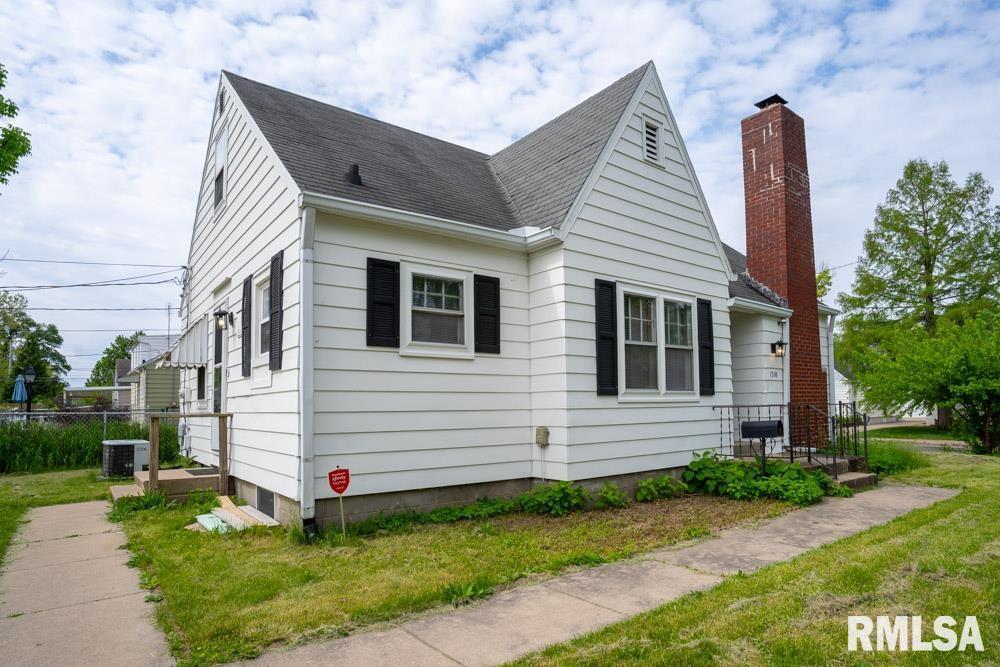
{"points": [[824, 281], [935, 243], [103, 373], [958, 367], [934, 248], [14, 142], [13, 321], [39, 347]]}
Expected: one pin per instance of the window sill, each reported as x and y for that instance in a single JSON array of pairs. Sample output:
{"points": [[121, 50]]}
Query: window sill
{"points": [[656, 397], [444, 353]]}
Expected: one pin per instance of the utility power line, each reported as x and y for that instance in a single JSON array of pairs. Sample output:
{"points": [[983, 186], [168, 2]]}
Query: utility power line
{"points": [[102, 309], [64, 261], [111, 282]]}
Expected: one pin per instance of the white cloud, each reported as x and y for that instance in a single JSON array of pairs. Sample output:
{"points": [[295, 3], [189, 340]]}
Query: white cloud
{"points": [[118, 98]]}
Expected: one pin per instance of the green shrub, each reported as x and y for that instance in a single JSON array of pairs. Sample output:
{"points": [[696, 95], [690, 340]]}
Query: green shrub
{"points": [[39, 446], [781, 480], [459, 594], [555, 499], [654, 488], [889, 458], [611, 495]]}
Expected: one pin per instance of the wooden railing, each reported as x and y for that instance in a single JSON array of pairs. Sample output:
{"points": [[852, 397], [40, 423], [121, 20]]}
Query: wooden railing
{"points": [[154, 445]]}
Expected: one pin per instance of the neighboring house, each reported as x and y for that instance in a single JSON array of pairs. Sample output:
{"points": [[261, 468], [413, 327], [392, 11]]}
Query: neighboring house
{"points": [[116, 395], [846, 393], [155, 388], [448, 324]]}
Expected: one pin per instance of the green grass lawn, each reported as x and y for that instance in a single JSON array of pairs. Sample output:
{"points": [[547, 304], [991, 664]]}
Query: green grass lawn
{"points": [[910, 432], [18, 493], [230, 596], [940, 560]]}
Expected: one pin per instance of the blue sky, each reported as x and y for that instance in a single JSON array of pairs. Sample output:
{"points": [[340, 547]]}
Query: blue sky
{"points": [[118, 100]]}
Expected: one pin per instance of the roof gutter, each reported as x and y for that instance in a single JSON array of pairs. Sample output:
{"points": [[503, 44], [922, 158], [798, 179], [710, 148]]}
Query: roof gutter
{"points": [[748, 306], [827, 310], [513, 240]]}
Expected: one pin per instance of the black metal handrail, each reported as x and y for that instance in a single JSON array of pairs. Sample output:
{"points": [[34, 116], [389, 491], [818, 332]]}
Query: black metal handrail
{"points": [[825, 434]]}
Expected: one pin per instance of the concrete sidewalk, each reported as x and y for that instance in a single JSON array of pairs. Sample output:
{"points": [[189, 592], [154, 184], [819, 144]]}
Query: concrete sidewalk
{"points": [[527, 618], [67, 596]]}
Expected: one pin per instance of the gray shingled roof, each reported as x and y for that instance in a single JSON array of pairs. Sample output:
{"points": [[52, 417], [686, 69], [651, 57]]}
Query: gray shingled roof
{"points": [[533, 182], [741, 287], [544, 171]]}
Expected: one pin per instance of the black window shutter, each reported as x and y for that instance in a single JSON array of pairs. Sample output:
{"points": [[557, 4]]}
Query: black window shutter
{"points": [[383, 303], [706, 349], [277, 271], [246, 324], [606, 322], [487, 308]]}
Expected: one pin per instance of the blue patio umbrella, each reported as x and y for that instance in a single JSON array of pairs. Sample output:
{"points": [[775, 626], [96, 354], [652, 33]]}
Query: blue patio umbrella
{"points": [[20, 392]]}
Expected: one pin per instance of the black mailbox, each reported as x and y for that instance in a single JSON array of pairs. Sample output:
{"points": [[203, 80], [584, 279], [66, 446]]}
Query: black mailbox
{"points": [[768, 428]]}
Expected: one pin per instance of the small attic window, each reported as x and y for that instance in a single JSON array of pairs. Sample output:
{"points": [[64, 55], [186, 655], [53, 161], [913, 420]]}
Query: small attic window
{"points": [[651, 140]]}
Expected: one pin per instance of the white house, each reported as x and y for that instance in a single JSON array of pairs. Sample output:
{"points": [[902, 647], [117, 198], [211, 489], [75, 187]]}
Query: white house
{"points": [[448, 324]]}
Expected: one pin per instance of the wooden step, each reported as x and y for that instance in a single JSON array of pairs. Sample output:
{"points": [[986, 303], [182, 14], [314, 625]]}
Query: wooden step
{"points": [[857, 480]]}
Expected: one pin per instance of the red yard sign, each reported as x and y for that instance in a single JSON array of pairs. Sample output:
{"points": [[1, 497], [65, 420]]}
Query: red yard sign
{"points": [[339, 479]]}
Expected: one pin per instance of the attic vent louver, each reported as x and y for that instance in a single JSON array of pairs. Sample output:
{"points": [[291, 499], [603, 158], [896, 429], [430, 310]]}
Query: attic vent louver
{"points": [[651, 140], [354, 175]]}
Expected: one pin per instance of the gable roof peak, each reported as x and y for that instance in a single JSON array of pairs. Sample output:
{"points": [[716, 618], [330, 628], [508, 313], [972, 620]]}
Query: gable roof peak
{"points": [[530, 183]]}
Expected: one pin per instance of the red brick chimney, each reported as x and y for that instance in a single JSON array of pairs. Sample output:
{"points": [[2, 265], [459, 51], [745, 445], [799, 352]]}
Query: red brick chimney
{"points": [[779, 234]]}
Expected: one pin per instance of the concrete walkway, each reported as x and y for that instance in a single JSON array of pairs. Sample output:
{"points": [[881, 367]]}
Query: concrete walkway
{"points": [[67, 596], [527, 618]]}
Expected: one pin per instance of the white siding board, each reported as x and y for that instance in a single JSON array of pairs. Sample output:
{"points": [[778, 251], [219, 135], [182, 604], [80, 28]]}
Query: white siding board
{"points": [[260, 217]]}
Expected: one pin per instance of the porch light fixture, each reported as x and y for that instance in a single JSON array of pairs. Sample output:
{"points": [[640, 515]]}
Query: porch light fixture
{"points": [[223, 318], [29, 374], [779, 347]]}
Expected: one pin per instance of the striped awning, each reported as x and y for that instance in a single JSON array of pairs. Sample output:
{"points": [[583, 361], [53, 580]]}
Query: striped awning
{"points": [[191, 349]]}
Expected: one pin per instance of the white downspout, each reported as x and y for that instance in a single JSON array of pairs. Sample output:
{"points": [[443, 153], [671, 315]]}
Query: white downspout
{"points": [[831, 387], [307, 489], [786, 377]]}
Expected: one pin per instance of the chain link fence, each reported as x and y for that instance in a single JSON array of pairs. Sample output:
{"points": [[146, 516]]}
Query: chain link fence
{"points": [[40, 441]]}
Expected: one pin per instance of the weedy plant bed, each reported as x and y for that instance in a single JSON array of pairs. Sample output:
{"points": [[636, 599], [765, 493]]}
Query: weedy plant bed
{"points": [[228, 597], [39, 446], [710, 473]]}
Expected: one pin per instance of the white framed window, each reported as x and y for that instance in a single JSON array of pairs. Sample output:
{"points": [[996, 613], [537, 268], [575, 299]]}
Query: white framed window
{"points": [[652, 139], [678, 346], [435, 317], [656, 337], [263, 318], [219, 172], [640, 342]]}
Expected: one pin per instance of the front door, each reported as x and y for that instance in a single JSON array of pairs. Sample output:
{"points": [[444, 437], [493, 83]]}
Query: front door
{"points": [[218, 377]]}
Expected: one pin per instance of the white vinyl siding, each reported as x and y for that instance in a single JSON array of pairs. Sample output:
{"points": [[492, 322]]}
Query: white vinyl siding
{"points": [[643, 226], [259, 219], [403, 421]]}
